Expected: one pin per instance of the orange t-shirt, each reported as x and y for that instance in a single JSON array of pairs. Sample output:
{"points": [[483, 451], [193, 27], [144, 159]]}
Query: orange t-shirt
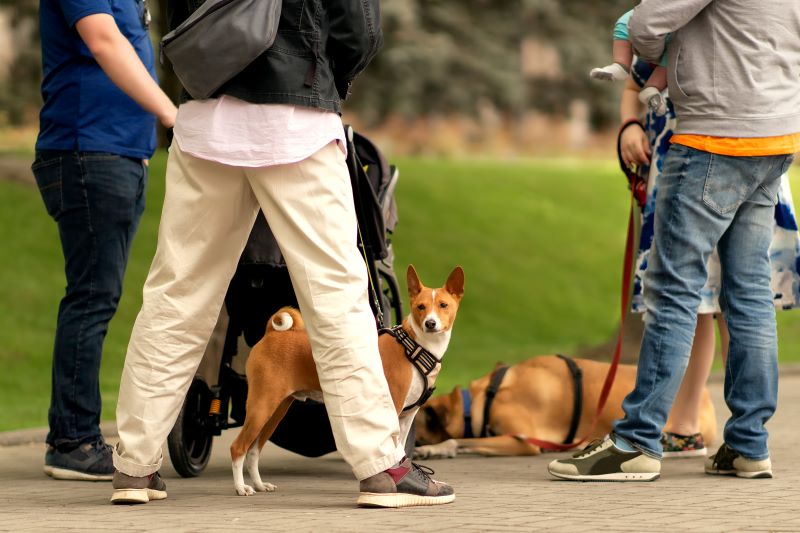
{"points": [[741, 147]]}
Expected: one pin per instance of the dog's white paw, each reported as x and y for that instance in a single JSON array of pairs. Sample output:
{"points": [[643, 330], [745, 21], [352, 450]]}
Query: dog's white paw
{"points": [[245, 490], [443, 450], [265, 487]]}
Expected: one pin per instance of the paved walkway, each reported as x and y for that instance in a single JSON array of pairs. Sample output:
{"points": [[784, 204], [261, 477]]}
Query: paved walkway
{"points": [[505, 494]]}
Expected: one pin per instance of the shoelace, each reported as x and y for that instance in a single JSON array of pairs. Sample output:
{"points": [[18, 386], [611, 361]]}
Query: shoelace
{"points": [[589, 448], [100, 446], [422, 472], [724, 458]]}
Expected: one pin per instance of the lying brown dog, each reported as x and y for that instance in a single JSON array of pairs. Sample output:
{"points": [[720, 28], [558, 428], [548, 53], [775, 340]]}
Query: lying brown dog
{"points": [[536, 398]]}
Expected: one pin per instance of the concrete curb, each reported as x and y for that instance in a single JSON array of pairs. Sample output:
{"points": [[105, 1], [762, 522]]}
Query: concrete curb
{"points": [[38, 435]]}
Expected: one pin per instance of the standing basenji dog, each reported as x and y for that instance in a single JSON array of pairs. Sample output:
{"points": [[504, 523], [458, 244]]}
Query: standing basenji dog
{"points": [[280, 369]]}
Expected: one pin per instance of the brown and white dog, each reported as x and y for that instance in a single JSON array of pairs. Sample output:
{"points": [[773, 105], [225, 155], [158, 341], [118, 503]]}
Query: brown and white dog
{"points": [[280, 368], [535, 399]]}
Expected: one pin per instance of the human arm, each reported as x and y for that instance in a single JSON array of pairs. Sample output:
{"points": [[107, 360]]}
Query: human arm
{"points": [[634, 144], [653, 20], [115, 55], [355, 38]]}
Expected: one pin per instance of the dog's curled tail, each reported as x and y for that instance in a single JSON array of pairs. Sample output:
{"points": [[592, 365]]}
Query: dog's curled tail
{"points": [[285, 319]]}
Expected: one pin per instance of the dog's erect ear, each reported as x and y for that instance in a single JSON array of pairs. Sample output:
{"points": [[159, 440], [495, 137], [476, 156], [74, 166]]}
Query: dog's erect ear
{"points": [[413, 282], [455, 283]]}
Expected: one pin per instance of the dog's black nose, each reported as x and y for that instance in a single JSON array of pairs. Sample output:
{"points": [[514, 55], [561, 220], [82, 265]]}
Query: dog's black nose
{"points": [[430, 324]]}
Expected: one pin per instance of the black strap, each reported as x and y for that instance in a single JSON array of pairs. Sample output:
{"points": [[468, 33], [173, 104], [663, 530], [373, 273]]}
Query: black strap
{"points": [[577, 402], [491, 391], [421, 359], [466, 399]]}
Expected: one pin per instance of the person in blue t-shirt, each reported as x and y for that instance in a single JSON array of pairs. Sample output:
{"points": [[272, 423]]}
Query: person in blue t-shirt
{"points": [[97, 131]]}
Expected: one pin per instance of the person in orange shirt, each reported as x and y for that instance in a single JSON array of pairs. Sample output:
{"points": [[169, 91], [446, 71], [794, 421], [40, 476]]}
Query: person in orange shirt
{"points": [[644, 144], [738, 127]]}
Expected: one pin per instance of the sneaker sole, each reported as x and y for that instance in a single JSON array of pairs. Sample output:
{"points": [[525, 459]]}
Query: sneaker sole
{"points": [[617, 476], [761, 474], [134, 496], [74, 475], [685, 453], [372, 499]]}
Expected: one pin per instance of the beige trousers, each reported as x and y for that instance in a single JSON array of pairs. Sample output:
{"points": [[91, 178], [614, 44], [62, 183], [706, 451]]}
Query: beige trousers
{"points": [[209, 210]]}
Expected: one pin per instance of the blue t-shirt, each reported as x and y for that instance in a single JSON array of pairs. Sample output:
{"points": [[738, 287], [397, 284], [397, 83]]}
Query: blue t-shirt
{"points": [[83, 109]]}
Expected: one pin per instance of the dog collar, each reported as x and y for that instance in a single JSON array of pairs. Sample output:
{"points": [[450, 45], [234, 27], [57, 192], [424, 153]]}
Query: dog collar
{"points": [[466, 399], [421, 359]]}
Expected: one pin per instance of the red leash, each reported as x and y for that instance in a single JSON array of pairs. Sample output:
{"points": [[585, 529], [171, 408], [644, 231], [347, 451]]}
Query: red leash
{"points": [[627, 270]]}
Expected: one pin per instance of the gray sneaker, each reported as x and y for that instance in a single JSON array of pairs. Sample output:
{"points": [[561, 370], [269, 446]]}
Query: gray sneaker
{"points": [[129, 489], [90, 461], [728, 462], [405, 485], [601, 460]]}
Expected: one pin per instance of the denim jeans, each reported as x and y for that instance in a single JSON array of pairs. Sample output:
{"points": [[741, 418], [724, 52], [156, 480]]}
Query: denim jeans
{"points": [[706, 200], [96, 200]]}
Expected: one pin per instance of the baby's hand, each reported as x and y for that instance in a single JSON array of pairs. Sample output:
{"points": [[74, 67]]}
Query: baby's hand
{"points": [[612, 72]]}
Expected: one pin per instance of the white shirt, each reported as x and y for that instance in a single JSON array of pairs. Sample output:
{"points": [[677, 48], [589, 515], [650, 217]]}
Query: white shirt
{"points": [[237, 133]]}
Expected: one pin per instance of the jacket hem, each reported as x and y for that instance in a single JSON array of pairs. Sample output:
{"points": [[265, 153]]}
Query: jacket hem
{"points": [[737, 128]]}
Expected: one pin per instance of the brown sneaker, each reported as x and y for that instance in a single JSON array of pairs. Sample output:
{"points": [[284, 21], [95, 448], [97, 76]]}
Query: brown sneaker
{"points": [[129, 489], [405, 485]]}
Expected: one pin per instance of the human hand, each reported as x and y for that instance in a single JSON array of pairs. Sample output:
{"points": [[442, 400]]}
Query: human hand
{"points": [[634, 146]]}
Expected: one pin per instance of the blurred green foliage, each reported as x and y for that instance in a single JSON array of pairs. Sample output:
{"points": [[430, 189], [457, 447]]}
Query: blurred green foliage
{"points": [[440, 57]]}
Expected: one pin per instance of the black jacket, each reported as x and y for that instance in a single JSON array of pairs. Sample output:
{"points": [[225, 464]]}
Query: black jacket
{"points": [[321, 46]]}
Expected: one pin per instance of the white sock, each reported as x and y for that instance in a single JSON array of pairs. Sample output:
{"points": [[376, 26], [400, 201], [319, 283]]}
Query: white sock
{"points": [[612, 72], [654, 100]]}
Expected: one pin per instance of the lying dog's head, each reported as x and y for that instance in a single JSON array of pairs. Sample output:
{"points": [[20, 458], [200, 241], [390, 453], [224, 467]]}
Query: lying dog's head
{"points": [[440, 418], [434, 310]]}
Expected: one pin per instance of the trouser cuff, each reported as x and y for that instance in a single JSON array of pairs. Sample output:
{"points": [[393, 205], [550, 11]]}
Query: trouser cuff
{"points": [[128, 467], [375, 467]]}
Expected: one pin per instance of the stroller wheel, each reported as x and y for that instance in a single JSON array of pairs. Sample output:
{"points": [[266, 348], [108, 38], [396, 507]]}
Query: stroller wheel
{"points": [[190, 440]]}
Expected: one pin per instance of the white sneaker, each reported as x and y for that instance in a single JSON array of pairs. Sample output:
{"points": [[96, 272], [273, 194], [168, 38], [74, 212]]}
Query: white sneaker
{"points": [[728, 462], [602, 460]]}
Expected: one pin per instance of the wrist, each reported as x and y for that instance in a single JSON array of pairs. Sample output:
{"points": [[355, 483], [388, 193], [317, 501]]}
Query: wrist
{"points": [[629, 122], [167, 116]]}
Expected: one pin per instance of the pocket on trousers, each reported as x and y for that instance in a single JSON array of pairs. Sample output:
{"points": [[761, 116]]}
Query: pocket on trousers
{"points": [[787, 163], [47, 172], [723, 191]]}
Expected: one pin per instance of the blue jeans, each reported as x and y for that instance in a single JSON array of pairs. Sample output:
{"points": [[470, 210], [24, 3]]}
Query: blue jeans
{"points": [[96, 200], [706, 200]]}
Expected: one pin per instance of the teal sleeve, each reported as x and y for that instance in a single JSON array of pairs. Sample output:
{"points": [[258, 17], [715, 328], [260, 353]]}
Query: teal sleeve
{"points": [[621, 27]]}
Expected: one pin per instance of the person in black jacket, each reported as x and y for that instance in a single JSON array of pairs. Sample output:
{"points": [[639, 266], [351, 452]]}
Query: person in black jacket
{"points": [[272, 138]]}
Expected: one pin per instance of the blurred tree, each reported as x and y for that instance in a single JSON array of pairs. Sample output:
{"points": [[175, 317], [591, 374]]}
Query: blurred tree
{"points": [[581, 32], [19, 91], [443, 56]]}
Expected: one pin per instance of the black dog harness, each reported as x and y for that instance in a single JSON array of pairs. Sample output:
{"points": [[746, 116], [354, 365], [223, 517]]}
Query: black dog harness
{"points": [[494, 386], [421, 359]]}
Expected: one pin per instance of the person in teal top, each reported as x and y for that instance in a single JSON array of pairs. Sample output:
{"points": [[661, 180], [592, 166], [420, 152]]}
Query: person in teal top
{"points": [[622, 52]]}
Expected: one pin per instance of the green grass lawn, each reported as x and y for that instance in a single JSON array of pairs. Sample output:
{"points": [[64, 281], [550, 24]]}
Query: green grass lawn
{"points": [[540, 242]]}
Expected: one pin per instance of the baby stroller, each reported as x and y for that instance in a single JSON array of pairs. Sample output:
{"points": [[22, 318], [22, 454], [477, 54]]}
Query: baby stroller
{"points": [[217, 396]]}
